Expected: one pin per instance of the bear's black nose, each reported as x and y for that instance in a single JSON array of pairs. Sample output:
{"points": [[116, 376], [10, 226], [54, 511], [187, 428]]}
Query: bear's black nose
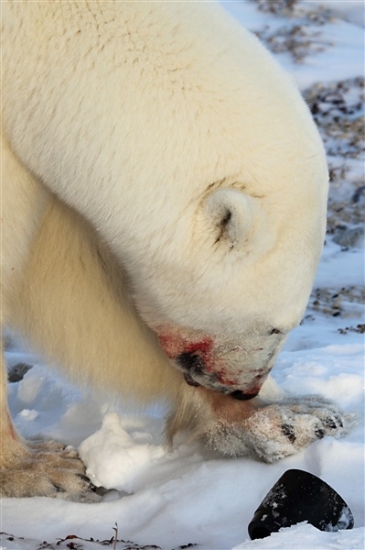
{"points": [[190, 361]]}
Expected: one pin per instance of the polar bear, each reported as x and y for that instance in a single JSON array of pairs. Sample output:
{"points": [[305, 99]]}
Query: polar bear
{"points": [[163, 212]]}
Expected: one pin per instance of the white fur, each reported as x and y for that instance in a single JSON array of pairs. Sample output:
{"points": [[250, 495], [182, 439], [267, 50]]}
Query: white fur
{"points": [[162, 176]]}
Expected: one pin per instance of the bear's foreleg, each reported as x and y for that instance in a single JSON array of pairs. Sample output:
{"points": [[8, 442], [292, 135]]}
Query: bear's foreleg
{"points": [[256, 428], [26, 468], [73, 304]]}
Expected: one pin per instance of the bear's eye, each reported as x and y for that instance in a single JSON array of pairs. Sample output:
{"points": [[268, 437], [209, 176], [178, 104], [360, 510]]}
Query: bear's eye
{"points": [[275, 331], [227, 217], [223, 225]]}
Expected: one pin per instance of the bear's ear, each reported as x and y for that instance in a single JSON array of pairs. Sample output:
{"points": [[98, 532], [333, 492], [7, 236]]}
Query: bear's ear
{"points": [[230, 215]]}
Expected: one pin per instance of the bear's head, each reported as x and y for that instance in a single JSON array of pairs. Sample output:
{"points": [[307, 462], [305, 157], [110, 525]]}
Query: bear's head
{"points": [[223, 303], [197, 161], [232, 181]]}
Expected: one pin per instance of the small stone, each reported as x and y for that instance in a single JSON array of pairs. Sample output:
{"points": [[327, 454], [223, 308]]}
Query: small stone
{"points": [[350, 238], [18, 371]]}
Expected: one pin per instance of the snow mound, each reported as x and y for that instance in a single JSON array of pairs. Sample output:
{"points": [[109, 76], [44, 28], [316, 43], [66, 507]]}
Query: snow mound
{"points": [[114, 459]]}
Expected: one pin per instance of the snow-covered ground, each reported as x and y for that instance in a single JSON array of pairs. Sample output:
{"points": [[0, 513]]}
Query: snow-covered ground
{"points": [[187, 497]]}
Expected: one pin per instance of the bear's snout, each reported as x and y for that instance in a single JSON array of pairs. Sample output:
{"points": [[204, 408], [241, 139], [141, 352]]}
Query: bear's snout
{"points": [[196, 374], [227, 368]]}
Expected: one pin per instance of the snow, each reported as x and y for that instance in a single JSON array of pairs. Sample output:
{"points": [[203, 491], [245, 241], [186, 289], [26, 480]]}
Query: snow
{"points": [[115, 459], [186, 495], [305, 537], [340, 40], [335, 261]]}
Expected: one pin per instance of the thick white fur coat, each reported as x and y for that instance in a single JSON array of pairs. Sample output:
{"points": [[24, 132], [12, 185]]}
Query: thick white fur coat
{"points": [[163, 196]]}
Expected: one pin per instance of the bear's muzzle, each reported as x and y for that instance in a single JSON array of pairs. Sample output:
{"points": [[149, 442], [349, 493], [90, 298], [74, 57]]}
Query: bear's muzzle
{"points": [[193, 366]]}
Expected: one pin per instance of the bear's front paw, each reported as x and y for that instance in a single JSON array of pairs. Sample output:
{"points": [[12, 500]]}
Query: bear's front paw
{"points": [[47, 469], [279, 430]]}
